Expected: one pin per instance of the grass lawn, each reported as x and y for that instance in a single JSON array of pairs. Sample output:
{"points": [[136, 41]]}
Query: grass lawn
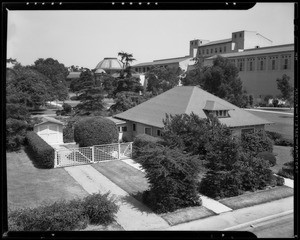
{"points": [[126, 177], [28, 186], [259, 197], [187, 215], [283, 155], [283, 123]]}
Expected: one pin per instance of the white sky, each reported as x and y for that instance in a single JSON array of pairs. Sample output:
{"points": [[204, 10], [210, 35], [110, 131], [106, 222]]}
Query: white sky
{"points": [[84, 38]]}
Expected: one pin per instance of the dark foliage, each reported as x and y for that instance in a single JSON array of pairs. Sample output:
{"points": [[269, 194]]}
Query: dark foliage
{"points": [[41, 152], [172, 176], [256, 142], [95, 131], [268, 156], [143, 140], [287, 170], [64, 216]]}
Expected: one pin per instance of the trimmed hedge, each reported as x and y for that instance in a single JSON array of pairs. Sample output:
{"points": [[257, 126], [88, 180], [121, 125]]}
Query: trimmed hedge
{"points": [[287, 170], [95, 131], [270, 157], [279, 140], [64, 216], [41, 152]]}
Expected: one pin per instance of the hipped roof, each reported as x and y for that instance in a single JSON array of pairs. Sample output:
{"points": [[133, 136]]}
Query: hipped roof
{"points": [[186, 99]]}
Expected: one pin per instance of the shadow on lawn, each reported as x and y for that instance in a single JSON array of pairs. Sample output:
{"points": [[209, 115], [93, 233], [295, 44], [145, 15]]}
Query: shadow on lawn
{"points": [[136, 202]]}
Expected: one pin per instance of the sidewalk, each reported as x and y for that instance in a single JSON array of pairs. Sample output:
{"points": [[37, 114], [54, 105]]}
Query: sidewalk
{"points": [[237, 217], [132, 214]]}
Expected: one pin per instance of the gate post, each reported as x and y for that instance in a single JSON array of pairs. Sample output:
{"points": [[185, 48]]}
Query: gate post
{"points": [[55, 159], [93, 154], [119, 151]]}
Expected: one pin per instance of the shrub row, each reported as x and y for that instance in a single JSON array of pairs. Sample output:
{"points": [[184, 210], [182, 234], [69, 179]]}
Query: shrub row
{"points": [[287, 170], [41, 152], [143, 140], [64, 216], [279, 140]]}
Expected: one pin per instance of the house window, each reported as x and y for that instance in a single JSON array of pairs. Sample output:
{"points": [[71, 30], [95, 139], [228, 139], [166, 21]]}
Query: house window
{"points": [[247, 130], [148, 130], [119, 128], [133, 127], [234, 35], [206, 51], [136, 69], [220, 49], [240, 34], [158, 132], [124, 129], [216, 50], [241, 66]]}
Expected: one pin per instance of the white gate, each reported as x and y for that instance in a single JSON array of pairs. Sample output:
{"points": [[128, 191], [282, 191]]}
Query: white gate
{"points": [[93, 154]]}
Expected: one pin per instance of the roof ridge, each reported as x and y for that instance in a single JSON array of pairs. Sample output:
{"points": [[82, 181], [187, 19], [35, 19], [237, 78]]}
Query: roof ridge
{"points": [[193, 92]]}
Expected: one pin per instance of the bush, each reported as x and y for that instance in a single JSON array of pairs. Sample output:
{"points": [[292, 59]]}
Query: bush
{"points": [[279, 180], [270, 157], [42, 153], [100, 209], [95, 131], [15, 133], [64, 216], [59, 216], [67, 107], [256, 142], [279, 140], [287, 170], [172, 176], [220, 184]]}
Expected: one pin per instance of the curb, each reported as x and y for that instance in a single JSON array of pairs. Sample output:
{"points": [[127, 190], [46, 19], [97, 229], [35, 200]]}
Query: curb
{"points": [[259, 220]]}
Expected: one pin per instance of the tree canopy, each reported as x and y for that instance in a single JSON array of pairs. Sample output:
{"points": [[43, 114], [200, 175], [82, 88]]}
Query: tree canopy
{"points": [[283, 84], [221, 79]]}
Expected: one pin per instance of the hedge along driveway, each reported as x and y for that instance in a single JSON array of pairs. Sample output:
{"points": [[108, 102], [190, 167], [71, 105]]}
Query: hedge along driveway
{"points": [[28, 186]]}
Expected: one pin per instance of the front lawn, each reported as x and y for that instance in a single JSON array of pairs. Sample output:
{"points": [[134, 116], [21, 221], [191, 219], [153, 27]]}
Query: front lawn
{"points": [[28, 186], [261, 196]]}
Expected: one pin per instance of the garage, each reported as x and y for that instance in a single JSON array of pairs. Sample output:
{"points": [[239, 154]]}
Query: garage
{"points": [[50, 130]]}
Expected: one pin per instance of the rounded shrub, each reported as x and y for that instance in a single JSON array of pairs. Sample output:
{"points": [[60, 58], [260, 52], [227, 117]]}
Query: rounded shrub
{"points": [[143, 140], [67, 107], [100, 209], [270, 157], [95, 131]]}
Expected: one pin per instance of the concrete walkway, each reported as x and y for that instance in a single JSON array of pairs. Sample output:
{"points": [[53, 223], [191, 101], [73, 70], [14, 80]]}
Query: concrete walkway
{"points": [[209, 203], [132, 214], [235, 218]]}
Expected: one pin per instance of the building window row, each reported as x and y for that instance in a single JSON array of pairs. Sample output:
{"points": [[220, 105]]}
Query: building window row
{"points": [[214, 50], [142, 69], [263, 63]]}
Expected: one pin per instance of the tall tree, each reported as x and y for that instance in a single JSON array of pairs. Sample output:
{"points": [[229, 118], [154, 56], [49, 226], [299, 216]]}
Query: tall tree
{"points": [[162, 79], [221, 79], [126, 59], [128, 84], [283, 84], [55, 71], [91, 97]]}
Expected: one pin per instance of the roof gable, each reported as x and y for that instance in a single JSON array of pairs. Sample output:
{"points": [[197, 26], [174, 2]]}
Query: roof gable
{"points": [[186, 99], [46, 119]]}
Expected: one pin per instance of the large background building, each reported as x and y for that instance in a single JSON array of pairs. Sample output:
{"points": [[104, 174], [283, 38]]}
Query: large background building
{"points": [[258, 61]]}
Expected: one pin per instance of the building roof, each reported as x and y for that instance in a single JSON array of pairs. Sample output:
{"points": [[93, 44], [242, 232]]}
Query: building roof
{"points": [[163, 61], [109, 64], [74, 75], [49, 119], [116, 121], [186, 99], [258, 51], [213, 106], [216, 42]]}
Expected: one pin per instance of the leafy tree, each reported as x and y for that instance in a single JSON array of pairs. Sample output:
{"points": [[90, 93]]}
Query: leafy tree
{"points": [[283, 84], [220, 79], [127, 100], [251, 100], [126, 59], [91, 96], [109, 84], [57, 73], [172, 176], [128, 84], [161, 79]]}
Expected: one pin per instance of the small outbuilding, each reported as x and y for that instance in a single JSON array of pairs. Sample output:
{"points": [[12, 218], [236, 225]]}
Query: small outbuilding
{"points": [[50, 130]]}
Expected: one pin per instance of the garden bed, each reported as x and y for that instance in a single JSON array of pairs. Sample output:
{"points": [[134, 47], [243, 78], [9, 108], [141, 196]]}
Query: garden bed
{"points": [[249, 199], [187, 215]]}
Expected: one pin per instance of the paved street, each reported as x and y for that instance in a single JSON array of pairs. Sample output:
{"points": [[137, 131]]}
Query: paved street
{"points": [[277, 227]]}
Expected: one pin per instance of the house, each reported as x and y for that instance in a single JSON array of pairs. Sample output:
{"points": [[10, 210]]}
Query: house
{"points": [[148, 116], [50, 130]]}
